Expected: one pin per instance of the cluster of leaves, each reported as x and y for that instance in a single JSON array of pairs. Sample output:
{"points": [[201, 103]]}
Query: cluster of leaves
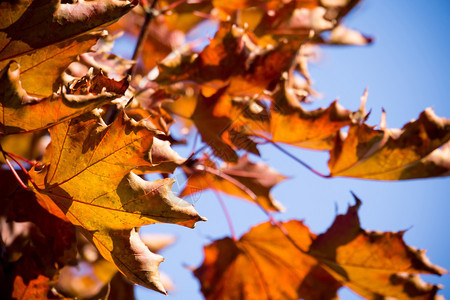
{"points": [[109, 119]]}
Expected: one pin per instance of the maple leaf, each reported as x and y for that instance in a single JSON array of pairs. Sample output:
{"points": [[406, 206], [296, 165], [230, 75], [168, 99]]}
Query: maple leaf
{"points": [[234, 58], [29, 230], [112, 65], [264, 264], [184, 15], [21, 112], [92, 275], [290, 123], [99, 193], [44, 36], [290, 262], [373, 264], [219, 131], [245, 179], [393, 154], [35, 289]]}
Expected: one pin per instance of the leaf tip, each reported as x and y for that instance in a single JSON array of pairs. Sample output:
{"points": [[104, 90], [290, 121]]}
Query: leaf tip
{"points": [[357, 200]]}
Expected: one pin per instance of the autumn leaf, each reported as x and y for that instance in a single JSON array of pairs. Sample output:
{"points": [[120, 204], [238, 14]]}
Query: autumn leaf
{"points": [[233, 57], [93, 277], [264, 264], [44, 37], [101, 195], [184, 16], [291, 124], [373, 264], [35, 289], [220, 131], [290, 262], [21, 112], [148, 106], [20, 205], [245, 179], [100, 58], [393, 154]]}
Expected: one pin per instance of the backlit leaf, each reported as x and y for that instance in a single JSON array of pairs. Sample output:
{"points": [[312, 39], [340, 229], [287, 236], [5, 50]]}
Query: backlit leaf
{"points": [[21, 112], [44, 36], [290, 262], [264, 264], [291, 124], [101, 195], [393, 154], [258, 178], [373, 264]]}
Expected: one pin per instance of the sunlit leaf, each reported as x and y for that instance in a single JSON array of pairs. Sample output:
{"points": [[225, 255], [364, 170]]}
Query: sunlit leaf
{"points": [[44, 37], [21, 112], [101, 195], [287, 261], [393, 154]]}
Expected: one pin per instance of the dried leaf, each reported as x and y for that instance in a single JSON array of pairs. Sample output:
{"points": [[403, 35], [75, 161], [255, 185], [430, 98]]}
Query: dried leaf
{"points": [[22, 113], [291, 124], [289, 262], [44, 37], [246, 177], [100, 194], [393, 154], [373, 264], [264, 264]]}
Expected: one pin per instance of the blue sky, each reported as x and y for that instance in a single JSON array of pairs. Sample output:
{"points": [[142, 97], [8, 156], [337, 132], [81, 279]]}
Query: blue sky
{"points": [[406, 70]]}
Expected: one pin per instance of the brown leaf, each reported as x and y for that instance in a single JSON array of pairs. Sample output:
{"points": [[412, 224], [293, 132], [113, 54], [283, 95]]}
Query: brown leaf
{"points": [[23, 113], [35, 289], [101, 195], [291, 124], [19, 205], [373, 264], [290, 262], [44, 37], [163, 158], [393, 154], [264, 264], [257, 178], [234, 57], [218, 130]]}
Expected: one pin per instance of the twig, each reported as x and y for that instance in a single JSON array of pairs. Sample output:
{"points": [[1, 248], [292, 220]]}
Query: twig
{"points": [[149, 15]]}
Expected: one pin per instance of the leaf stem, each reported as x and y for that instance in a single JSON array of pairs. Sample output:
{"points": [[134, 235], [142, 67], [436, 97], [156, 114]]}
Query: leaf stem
{"points": [[230, 179], [19, 180], [225, 211], [298, 160], [12, 156], [21, 158]]}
